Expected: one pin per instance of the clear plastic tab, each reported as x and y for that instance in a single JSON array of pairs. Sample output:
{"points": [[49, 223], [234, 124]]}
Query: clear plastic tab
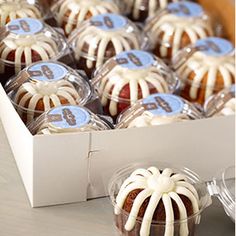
{"points": [[158, 109], [223, 187], [64, 119], [221, 104]]}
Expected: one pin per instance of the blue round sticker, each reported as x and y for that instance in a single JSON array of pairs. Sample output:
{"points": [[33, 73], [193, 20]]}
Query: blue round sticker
{"points": [[214, 46], [67, 117], [108, 21], [25, 26], [47, 71], [185, 9], [134, 59], [163, 104]]}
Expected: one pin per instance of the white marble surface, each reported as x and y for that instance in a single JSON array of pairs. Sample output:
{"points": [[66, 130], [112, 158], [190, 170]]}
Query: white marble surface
{"points": [[83, 219]]}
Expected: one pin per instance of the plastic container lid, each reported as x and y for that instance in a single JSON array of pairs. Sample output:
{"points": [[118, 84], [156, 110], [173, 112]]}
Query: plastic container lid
{"points": [[223, 187], [221, 104], [130, 76], [160, 182], [13, 9], [44, 85], [66, 119], [71, 13], [205, 68], [158, 109], [141, 10], [178, 25], [104, 36], [26, 40]]}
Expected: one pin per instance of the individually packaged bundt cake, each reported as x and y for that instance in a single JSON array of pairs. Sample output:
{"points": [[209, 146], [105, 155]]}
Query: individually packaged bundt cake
{"points": [[25, 41], [222, 103], [157, 109], [101, 38], [140, 10], [177, 26], [70, 13], [157, 200], [67, 119], [130, 76], [13, 9], [205, 68], [44, 85]]}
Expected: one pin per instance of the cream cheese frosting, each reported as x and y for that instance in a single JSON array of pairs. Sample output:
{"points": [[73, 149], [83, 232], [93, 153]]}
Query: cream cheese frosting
{"points": [[165, 185], [13, 9], [80, 10], [148, 119]]}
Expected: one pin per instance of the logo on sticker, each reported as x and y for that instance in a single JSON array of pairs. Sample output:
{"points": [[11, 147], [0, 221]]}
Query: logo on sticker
{"points": [[68, 117], [163, 104], [47, 71], [25, 26], [214, 46], [135, 59], [185, 9], [109, 21]]}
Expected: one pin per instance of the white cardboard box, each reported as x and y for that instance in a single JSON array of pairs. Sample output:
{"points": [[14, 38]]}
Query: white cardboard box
{"points": [[66, 168]]}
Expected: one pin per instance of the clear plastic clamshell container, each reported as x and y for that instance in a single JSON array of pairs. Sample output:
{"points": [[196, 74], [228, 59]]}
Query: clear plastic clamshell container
{"points": [[175, 27], [44, 85], [25, 41], [205, 68], [130, 76], [14, 9], [70, 13], [102, 37], [221, 104], [158, 109], [66, 119], [140, 10], [156, 199]]}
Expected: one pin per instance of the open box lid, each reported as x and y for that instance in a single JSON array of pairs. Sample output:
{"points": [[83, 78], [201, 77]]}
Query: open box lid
{"points": [[223, 187]]}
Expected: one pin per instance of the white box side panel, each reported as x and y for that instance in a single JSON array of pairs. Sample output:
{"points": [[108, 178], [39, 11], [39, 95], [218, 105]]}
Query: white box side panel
{"points": [[20, 139], [205, 146], [60, 168]]}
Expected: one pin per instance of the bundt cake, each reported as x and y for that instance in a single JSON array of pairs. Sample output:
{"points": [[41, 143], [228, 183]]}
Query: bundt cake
{"points": [[179, 25], [49, 84], [140, 10], [151, 200], [130, 76], [101, 38], [207, 71], [70, 13], [66, 119], [13, 9], [27, 41]]}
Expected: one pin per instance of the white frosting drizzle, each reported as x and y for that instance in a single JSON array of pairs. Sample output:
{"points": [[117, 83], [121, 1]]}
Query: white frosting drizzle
{"points": [[80, 10], [49, 92], [23, 45], [158, 186], [171, 26], [135, 7], [13, 9], [201, 64], [98, 41], [120, 77], [149, 119]]}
